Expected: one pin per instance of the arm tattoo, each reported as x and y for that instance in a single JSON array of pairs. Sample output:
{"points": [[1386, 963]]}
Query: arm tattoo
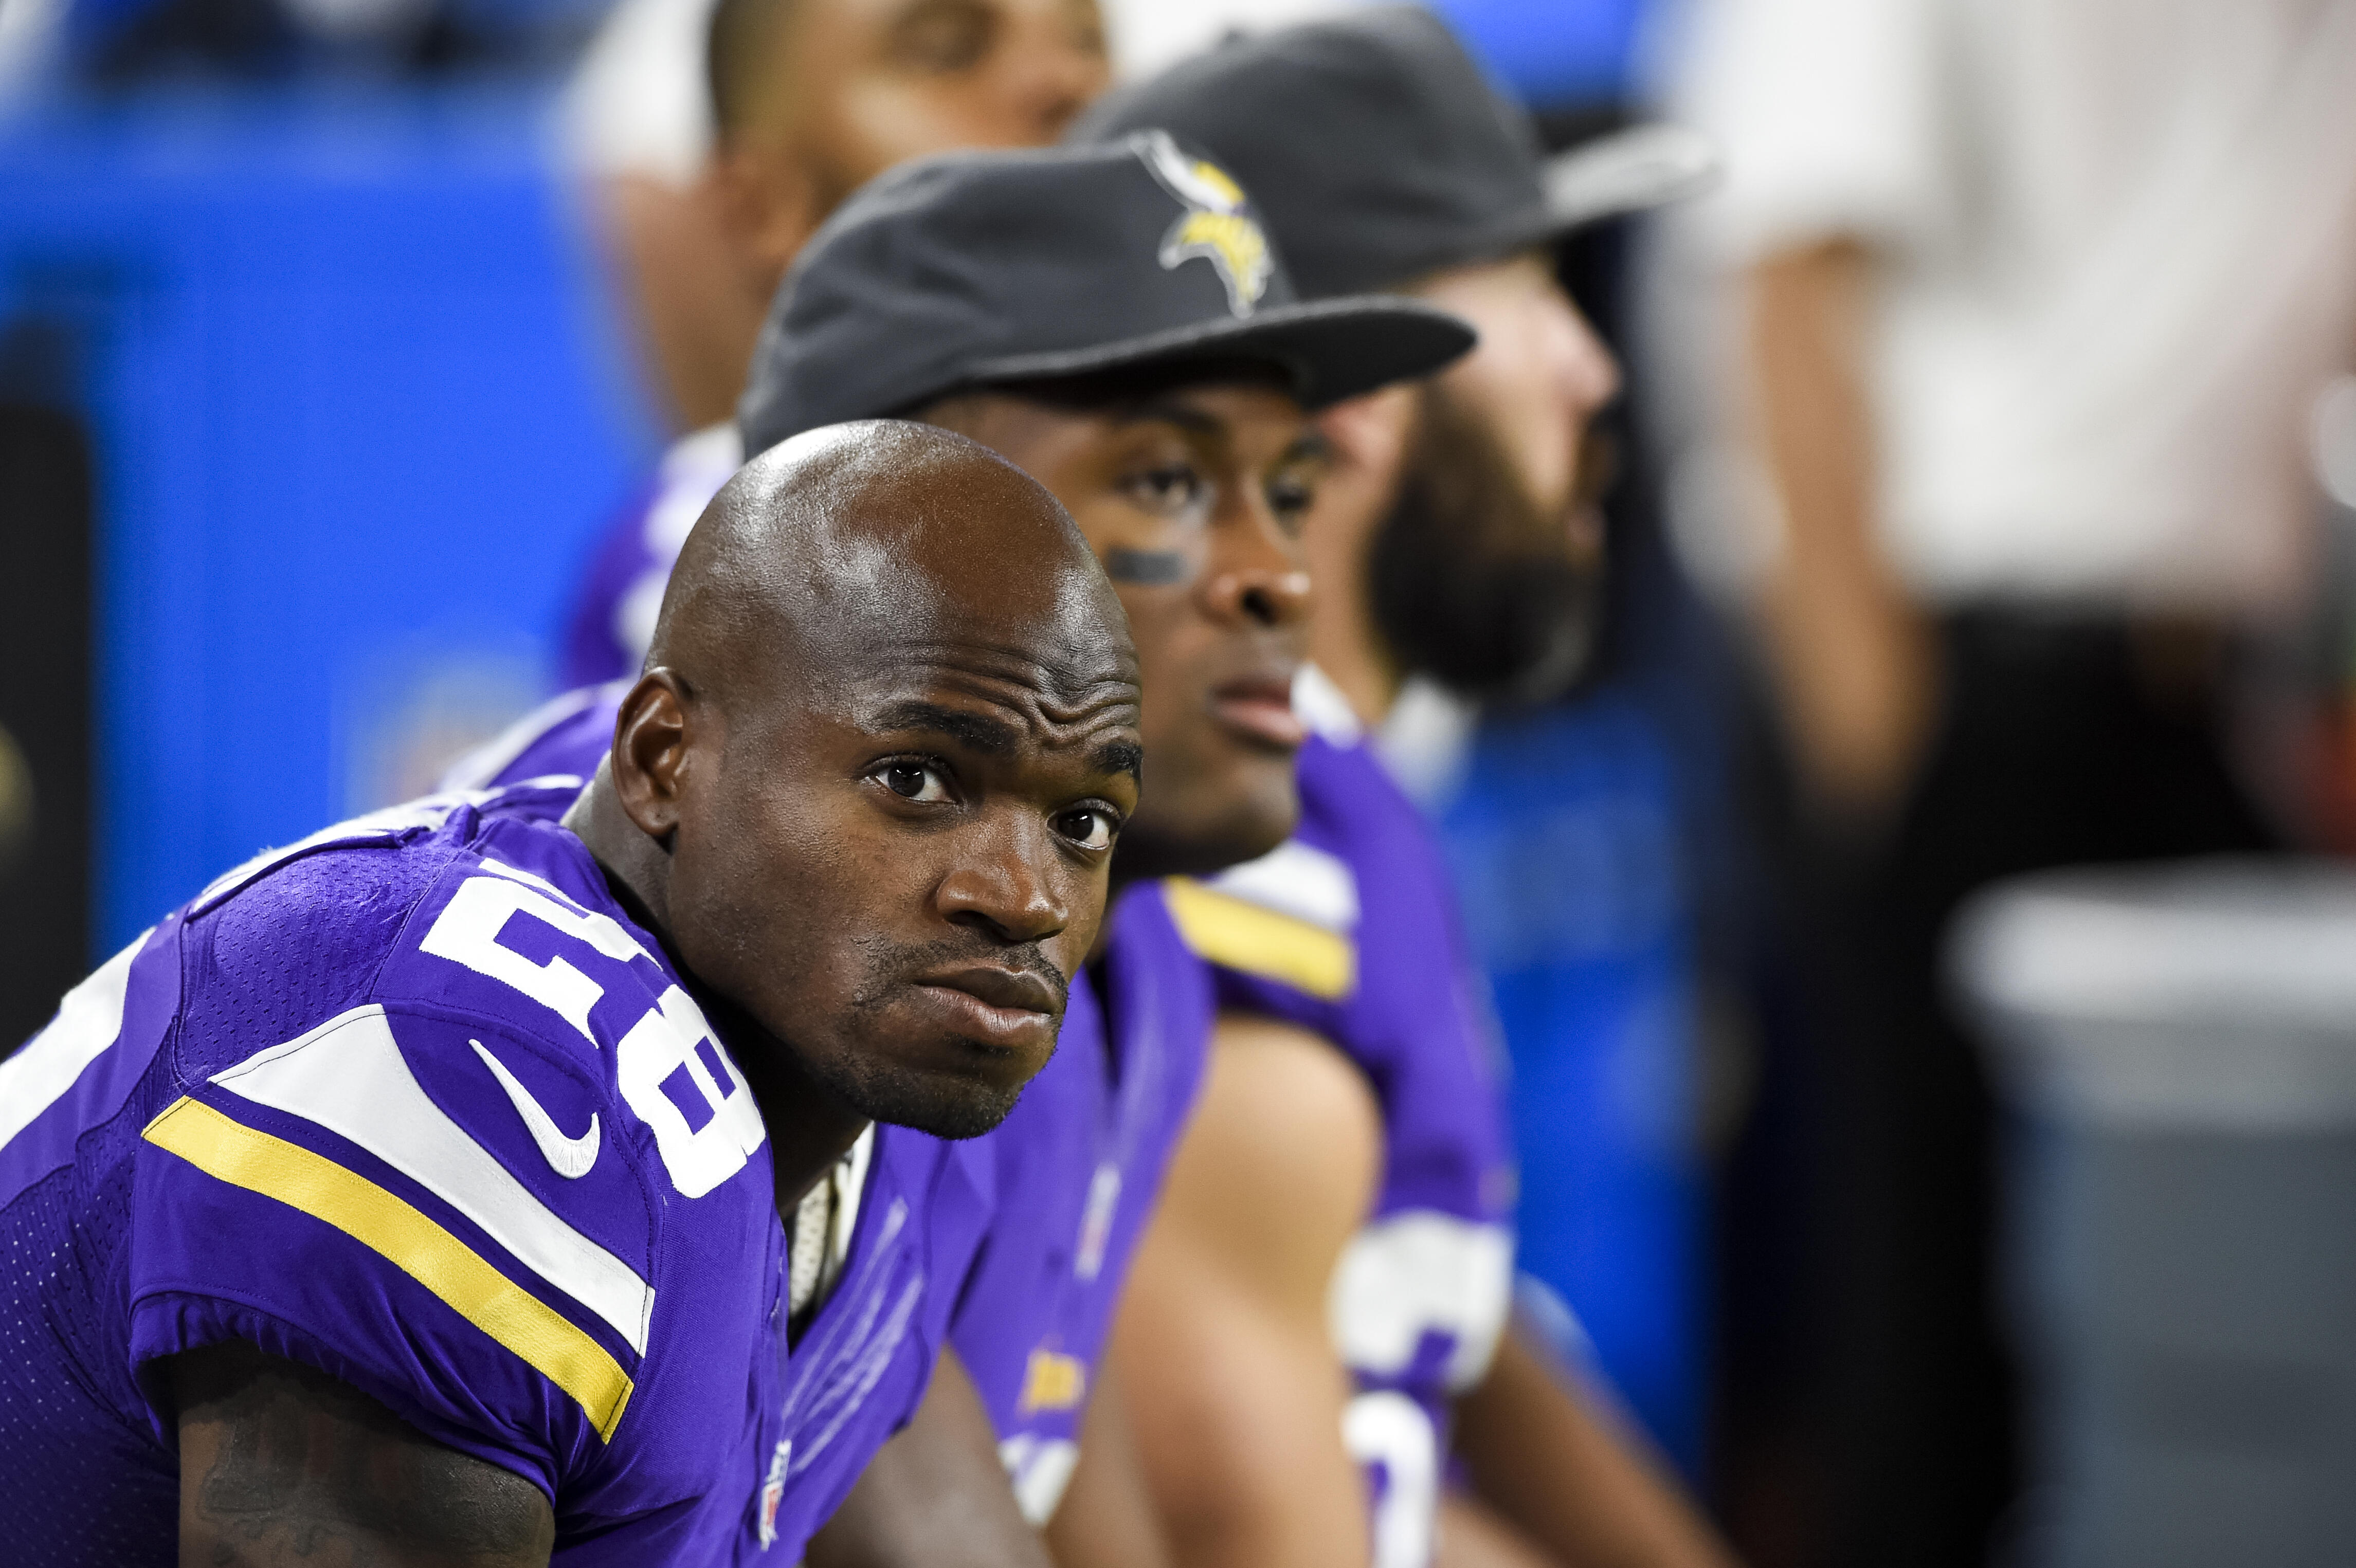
{"points": [[281, 1464]]}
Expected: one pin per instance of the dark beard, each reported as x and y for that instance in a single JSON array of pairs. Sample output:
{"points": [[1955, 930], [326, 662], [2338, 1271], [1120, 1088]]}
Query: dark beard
{"points": [[1473, 585]]}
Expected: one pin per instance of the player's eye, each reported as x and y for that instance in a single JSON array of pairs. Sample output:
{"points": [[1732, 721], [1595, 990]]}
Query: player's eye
{"points": [[944, 37], [911, 779], [1089, 827], [1169, 490], [1290, 497]]}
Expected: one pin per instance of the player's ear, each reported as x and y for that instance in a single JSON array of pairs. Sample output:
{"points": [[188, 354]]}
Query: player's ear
{"points": [[651, 736], [767, 200]]}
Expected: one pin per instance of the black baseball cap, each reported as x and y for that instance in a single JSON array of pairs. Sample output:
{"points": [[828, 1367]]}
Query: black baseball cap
{"points": [[1381, 151], [972, 269]]}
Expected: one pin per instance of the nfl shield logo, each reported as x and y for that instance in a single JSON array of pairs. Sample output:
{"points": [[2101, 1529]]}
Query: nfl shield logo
{"points": [[773, 1491]]}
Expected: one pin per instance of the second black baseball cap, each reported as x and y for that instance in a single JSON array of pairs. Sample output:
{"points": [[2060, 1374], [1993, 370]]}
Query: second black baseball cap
{"points": [[978, 268], [1381, 151]]}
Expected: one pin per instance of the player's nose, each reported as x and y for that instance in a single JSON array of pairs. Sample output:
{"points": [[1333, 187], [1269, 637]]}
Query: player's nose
{"points": [[1587, 374], [1014, 884], [1255, 574], [1056, 76]]}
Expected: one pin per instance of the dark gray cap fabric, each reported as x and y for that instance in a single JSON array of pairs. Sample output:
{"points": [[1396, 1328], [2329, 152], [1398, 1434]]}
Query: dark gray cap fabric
{"points": [[1380, 151], [977, 268]]}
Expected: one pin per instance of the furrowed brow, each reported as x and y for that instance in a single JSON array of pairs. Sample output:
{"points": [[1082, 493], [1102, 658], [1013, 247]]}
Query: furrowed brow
{"points": [[991, 737]]}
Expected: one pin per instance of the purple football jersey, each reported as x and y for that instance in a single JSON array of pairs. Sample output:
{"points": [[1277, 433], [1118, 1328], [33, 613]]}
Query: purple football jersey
{"points": [[1079, 1163], [417, 1102], [1350, 930], [606, 634]]}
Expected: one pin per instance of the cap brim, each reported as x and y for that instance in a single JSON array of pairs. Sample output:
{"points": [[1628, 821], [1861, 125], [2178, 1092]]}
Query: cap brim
{"points": [[1332, 349], [1628, 171], [1641, 167]]}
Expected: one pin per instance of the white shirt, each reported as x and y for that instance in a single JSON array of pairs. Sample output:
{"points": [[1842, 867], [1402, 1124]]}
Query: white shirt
{"points": [[2120, 238]]}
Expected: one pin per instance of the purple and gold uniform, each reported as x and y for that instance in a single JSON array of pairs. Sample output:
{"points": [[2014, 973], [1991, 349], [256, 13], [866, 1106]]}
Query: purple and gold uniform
{"points": [[1349, 930], [1079, 1162], [415, 1102]]}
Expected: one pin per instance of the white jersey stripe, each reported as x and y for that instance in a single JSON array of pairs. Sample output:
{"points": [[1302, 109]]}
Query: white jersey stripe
{"points": [[1299, 879], [359, 1088], [88, 1020]]}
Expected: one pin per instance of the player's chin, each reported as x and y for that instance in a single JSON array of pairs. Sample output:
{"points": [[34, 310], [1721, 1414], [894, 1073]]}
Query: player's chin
{"points": [[946, 1102], [1241, 812]]}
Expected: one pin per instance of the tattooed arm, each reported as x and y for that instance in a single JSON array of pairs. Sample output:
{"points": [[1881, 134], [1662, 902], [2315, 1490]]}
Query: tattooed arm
{"points": [[282, 1464]]}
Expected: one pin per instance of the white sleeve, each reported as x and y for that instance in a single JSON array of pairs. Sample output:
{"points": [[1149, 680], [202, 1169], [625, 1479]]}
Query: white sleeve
{"points": [[1835, 117]]}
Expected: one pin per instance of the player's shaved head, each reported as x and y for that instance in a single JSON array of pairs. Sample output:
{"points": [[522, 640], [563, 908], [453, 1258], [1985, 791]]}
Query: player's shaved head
{"points": [[868, 785], [874, 539]]}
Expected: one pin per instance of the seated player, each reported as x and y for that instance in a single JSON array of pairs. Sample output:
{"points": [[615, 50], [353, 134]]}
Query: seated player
{"points": [[1110, 320], [414, 1193], [1456, 539]]}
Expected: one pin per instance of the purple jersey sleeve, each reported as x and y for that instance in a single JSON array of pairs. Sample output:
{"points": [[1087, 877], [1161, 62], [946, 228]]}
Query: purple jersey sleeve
{"points": [[1081, 1163], [465, 1191], [613, 618], [415, 1102], [1350, 930]]}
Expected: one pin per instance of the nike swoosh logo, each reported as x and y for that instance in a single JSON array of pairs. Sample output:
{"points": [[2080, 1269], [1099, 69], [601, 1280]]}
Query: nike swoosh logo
{"points": [[569, 1157]]}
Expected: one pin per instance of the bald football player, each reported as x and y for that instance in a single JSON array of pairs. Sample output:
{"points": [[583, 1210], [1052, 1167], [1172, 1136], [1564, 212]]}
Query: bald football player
{"points": [[1113, 320], [422, 1183]]}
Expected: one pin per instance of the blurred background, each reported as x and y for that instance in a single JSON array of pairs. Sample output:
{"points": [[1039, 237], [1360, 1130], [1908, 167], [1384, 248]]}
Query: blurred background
{"points": [[1986, 511]]}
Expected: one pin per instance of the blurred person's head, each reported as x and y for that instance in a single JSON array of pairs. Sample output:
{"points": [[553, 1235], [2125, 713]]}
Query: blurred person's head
{"points": [[721, 132], [1111, 320], [1459, 535], [811, 98]]}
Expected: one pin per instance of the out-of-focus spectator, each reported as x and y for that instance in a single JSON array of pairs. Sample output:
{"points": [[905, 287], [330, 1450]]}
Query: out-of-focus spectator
{"points": [[2025, 303], [720, 136]]}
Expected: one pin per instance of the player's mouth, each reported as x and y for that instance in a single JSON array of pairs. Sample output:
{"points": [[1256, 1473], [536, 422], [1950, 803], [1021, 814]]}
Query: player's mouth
{"points": [[1258, 709], [1012, 1010]]}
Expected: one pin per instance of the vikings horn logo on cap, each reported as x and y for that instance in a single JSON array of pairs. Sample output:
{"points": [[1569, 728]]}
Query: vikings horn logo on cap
{"points": [[1218, 223]]}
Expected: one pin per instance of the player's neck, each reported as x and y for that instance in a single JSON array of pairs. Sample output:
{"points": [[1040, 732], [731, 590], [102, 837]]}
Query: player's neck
{"points": [[809, 1126]]}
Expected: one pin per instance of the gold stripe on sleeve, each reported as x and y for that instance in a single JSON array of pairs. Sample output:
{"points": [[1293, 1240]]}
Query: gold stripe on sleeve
{"points": [[1241, 935], [294, 1176]]}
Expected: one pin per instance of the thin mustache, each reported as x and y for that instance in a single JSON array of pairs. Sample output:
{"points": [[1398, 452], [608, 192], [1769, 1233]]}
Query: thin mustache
{"points": [[898, 966]]}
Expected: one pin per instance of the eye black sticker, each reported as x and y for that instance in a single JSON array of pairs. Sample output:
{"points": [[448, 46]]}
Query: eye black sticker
{"points": [[1153, 568]]}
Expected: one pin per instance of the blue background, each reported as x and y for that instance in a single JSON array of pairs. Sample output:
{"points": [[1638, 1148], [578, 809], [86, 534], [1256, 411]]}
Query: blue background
{"points": [[357, 420]]}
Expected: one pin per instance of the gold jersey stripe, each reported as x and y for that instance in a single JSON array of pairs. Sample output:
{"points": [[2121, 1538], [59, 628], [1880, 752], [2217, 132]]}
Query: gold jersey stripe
{"points": [[412, 1243], [1238, 934]]}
